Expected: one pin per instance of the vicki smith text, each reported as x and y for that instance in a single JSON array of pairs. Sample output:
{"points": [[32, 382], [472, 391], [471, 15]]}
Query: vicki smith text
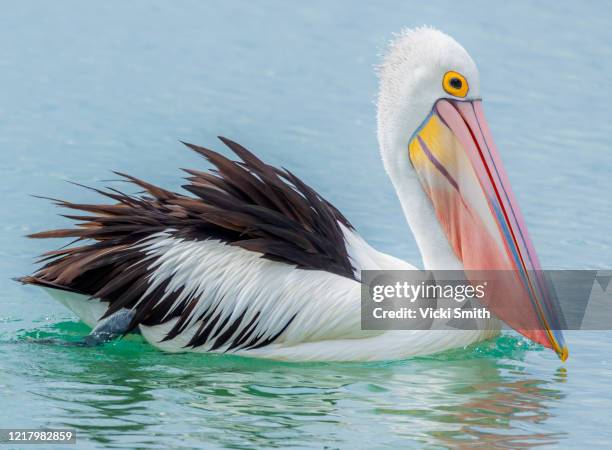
{"points": [[431, 313]]}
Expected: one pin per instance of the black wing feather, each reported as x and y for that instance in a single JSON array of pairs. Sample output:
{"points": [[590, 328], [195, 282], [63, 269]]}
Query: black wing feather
{"points": [[245, 203]]}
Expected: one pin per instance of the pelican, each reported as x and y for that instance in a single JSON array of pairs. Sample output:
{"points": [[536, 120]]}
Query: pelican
{"points": [[252, 261]]}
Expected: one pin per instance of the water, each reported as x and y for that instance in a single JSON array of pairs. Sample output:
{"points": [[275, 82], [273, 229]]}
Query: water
{"points": [[114, 86]]}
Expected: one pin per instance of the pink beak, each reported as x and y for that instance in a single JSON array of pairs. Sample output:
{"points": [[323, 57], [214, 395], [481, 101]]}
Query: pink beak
{"points": [[461, 171]]}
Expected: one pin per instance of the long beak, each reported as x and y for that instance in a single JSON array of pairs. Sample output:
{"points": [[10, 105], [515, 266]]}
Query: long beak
{"points": [[460, 169]]}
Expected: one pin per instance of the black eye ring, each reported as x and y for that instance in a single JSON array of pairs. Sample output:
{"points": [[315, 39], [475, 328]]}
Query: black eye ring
{"points": [[455, 83]]}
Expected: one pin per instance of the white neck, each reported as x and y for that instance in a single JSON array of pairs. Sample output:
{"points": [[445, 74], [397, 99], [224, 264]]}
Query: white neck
{"points": [[435, 250], [410, 83]]}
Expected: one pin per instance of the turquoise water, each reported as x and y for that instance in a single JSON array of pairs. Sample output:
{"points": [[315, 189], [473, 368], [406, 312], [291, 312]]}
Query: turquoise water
{"points": [[86, 89]]}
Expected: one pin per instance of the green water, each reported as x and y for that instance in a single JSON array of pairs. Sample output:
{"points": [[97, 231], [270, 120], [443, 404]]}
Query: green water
{"points": [[506, 393], [91, 87], [126, 395]]}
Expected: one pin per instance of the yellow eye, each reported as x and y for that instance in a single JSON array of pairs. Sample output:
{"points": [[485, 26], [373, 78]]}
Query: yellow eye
{"points": [[455, 84]]}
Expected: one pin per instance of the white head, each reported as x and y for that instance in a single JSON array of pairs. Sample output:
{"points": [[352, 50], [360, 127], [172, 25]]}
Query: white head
{"points": [[440, 156], [411, 81]]}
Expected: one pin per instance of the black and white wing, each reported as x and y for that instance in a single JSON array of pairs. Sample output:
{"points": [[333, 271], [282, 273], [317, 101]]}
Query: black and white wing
{"points": [[253, 258]]}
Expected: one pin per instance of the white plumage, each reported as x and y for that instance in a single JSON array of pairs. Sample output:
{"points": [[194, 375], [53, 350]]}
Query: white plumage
{"points": [[327, 306], [298, 313]]}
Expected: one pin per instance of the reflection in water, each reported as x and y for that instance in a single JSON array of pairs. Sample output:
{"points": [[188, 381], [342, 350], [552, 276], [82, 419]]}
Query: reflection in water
{"points": [[497, 412], [129, 395]]}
